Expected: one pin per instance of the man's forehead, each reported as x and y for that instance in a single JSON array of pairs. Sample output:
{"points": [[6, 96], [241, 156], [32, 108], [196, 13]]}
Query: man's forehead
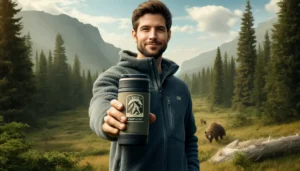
{"points": [[152, 20]]}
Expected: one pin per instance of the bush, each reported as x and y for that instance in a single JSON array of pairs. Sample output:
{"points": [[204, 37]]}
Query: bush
{"points": [[240, 120], [16, 153], [241, 161]]}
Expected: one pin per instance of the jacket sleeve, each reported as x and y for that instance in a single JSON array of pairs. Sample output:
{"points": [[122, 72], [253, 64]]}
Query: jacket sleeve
{"points": [[191, 143], [105, 88]]}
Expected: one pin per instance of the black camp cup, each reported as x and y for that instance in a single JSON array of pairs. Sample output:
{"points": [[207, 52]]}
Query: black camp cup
{"points": [[134, 94]]}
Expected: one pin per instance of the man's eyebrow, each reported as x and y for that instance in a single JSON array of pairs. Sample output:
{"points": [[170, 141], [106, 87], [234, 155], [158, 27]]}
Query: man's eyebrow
{"points": [[146, 26], [160, 27]]}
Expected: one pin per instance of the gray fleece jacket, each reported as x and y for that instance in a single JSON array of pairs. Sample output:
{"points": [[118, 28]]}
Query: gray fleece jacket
{"points": [[172, 144]]}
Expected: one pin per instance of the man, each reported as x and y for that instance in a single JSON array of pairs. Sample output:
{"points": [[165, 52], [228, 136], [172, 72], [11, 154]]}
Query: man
{"points": [[172, 144]]}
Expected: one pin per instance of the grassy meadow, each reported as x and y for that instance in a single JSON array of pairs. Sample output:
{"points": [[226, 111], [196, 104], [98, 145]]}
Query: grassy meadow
{"points": [[69, 132]]}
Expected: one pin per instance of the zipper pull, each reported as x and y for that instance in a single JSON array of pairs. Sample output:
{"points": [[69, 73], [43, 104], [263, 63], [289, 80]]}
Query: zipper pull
{"points": [[160, 94]]}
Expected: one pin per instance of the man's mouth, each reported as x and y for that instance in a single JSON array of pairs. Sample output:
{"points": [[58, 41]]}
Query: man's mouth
{"points": [[153, 44]]}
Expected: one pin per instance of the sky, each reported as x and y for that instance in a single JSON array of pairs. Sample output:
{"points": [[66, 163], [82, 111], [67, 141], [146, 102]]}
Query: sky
{"points": [[198, 25]]}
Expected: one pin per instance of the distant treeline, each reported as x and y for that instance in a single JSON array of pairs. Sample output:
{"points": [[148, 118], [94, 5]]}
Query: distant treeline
{"points": [[26, 96], [267, 77], [51, 85], [204, 82], [60, 86]]}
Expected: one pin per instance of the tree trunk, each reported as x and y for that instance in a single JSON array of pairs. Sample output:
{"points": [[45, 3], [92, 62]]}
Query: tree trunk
{"points": [[258, 148]]}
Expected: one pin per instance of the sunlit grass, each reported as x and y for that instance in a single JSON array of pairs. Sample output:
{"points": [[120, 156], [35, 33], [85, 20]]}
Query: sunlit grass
{"points": [[70, 132]]}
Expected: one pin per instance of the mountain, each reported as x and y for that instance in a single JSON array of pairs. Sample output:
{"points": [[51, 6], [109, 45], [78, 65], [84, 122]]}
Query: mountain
{"points": [[81, 39], [207, 58]]}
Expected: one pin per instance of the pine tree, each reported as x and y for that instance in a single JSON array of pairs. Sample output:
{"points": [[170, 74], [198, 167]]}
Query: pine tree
{"points": [[259, 79], [42, 85], [217, 91], [186, 79], [208, 82], [203, 82], [194, 84], [89, 84], [51, 104], [43, 68], [95, 76], [232, 73], [50, 62], [267, 49], [247, 59], [29, 43], [283, 77], [16, 76], [77, 86], [36, 62], [198, 83], [61, 76], [226, 96]]}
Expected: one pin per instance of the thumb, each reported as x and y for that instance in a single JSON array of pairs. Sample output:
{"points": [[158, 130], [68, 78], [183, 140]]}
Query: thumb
{"points": [[152, 118]]}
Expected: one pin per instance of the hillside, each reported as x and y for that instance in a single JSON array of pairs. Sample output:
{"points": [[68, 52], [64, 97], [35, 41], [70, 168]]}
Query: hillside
{"points": [[82, 39], [207, 58]]}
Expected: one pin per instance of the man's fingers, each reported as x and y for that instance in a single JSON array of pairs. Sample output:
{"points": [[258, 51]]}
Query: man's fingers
{"points": [[116, 114], [111, 131], [111, 121], [152, 118], [115, 103]]}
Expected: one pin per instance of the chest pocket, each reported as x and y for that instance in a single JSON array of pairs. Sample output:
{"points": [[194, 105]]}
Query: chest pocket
{"points": [[176, 111]]}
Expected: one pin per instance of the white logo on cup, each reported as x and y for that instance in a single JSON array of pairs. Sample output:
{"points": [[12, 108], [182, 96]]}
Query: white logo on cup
{"points": [[134, 105]]}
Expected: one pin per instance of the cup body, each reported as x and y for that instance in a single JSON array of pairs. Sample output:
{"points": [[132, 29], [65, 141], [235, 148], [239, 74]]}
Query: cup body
{"points": [[134, 94]]}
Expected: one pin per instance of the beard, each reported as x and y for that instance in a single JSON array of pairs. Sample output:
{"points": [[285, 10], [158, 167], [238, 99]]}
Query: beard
{"points": [[158, 52]]}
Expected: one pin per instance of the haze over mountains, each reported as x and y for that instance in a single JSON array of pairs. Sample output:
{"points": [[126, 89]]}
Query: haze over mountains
{"points": [[206, 59], [81, 39], [85, 40]]}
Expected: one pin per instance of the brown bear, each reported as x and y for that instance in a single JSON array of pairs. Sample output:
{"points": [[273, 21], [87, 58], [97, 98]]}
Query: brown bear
{"points": [[215, 130], [203, 121]]}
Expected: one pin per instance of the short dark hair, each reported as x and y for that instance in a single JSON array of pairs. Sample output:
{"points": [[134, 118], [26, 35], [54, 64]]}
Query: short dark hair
{"points": [[152, 7]]}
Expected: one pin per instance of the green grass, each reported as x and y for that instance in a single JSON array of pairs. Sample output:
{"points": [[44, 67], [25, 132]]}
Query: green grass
{"points": [[69, 132], [256, 130]]}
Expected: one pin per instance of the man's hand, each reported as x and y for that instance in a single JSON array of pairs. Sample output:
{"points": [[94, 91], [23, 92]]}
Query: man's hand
{"points": [[116, 120]]}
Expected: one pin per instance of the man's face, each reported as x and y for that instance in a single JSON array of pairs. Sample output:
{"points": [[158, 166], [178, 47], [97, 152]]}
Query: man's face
{"points": [[151, 36]]}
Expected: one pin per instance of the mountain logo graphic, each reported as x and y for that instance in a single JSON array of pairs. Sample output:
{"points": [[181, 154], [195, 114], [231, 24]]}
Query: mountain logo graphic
{"points": [[135, 105]]}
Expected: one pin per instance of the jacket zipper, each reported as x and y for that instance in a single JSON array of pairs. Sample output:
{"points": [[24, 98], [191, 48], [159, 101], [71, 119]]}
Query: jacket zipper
{"points": [[170, 113], [162, 101]]}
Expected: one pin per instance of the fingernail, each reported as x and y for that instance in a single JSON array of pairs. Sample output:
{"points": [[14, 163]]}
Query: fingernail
{"points": [[123, 118], [121, 126], [119, 106]]}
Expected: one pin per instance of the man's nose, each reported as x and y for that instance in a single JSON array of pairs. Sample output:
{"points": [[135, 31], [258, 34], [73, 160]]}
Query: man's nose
{"points": [[153, 34]]}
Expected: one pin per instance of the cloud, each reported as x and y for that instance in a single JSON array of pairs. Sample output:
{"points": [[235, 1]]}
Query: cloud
{"points": [[186, 29], [272, 6], [182, 18], [123, 41], [51, 6], [219, 36], [204, 37], [68, 7], [238, 13], [214, 19], [97, 20]]}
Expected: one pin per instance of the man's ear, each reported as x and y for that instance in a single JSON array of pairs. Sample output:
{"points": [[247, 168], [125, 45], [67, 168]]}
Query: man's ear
{"points": [[169, 35], [133, 33]]}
